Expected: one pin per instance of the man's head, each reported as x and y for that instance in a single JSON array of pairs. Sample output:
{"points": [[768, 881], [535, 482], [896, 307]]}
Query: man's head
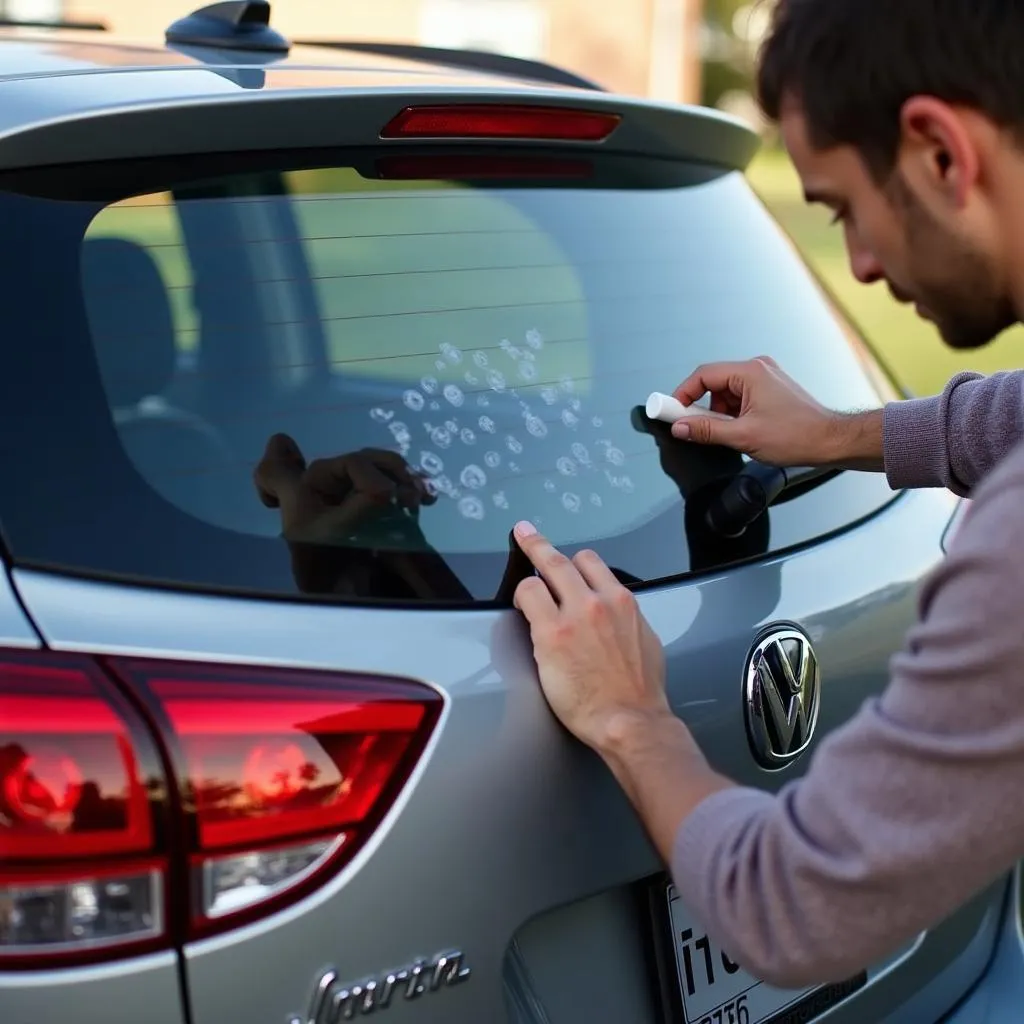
{"points": [[906, 117]]}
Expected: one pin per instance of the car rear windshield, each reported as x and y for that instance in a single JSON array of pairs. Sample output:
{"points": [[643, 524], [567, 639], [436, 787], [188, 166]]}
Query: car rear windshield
{"points": [[348, 376]]}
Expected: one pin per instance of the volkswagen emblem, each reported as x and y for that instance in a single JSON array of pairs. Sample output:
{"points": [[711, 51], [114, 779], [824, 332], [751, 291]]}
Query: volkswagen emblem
{"points": [[781, 694]]}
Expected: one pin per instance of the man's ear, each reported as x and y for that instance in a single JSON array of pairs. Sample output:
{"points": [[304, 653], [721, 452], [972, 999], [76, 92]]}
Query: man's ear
{"points": [[939, 153]]}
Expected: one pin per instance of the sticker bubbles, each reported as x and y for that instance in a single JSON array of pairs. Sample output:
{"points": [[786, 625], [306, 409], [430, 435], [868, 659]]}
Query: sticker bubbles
{"points": [[473, 478], [535, 425], [451, 353], [431, 463], [472, 507], [580, 453]]}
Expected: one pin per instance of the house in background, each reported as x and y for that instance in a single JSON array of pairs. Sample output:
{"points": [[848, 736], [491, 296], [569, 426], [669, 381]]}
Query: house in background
{"points": [[643, 47]]}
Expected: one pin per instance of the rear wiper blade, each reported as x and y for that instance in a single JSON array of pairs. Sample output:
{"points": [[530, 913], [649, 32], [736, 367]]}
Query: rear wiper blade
{"points": [[750, 493]]}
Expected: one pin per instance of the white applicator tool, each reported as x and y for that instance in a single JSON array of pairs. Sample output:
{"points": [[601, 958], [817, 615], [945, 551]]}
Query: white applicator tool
{"points": [[667, 409]]}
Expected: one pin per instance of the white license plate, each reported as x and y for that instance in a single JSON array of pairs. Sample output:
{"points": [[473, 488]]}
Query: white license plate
{"points": [[713, 988]]}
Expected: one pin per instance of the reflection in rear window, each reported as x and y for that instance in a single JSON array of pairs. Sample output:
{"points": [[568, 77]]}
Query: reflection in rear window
{"points": [[346, 386]]}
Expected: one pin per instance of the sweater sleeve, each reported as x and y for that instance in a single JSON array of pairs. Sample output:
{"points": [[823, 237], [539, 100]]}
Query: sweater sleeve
{"points": [[952, 440], [905, 812]]}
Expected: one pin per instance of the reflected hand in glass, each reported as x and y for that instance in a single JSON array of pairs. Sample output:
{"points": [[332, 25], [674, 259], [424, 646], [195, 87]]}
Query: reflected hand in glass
{"points": [[331, 499], [351, 521]]}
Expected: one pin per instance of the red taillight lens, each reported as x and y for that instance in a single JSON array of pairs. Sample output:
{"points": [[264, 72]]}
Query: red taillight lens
{"points": [[284, 773], [495, 121], [78, 865], [277, 778]]}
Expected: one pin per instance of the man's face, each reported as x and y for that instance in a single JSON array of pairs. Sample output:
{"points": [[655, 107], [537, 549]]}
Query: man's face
{"points": [[932, 260]]}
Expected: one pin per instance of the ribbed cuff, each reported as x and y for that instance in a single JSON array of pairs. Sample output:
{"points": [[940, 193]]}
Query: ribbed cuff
{"points": [[914, 443]]}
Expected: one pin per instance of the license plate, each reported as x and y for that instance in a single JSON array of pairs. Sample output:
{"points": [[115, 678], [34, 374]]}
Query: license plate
{"points": [[715, 990]]}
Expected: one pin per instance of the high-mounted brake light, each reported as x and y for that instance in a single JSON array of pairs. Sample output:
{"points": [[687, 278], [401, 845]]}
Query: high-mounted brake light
{"points": [[494, 121], [277, 778]]}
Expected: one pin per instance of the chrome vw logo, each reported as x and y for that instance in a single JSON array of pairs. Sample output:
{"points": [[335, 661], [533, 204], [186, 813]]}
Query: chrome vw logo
{"points": [[782, 690]]}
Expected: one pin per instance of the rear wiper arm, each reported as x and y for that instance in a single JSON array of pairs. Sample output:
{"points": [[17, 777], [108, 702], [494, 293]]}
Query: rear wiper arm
{"points": [[751, 492]]}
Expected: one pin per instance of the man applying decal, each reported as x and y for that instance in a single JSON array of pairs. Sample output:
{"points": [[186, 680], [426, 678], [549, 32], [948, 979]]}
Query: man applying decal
{"points": [[907, 119]]}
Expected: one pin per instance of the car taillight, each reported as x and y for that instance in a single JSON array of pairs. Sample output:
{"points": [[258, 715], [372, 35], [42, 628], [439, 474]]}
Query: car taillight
{"points": [[273, 780], [80, 799], [496, 121]]}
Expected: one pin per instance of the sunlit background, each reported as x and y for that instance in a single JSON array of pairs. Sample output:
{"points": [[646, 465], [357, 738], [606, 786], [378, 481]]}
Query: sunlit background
{"points": [[690, 51]]}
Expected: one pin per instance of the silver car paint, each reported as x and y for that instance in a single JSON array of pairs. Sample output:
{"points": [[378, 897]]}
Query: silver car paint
{"points": [[512, 831]]}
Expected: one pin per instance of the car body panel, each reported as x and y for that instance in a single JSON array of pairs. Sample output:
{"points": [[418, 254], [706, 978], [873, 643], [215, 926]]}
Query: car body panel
{"points": [[558, 831], [140, 988], [1000, 995], [15, 628]]}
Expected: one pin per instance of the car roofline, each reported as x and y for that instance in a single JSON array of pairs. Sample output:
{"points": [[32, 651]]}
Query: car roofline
{"points": [[473, 60]]}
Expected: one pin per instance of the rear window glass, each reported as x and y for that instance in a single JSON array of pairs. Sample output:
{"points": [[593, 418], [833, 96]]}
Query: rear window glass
{"points": [[319, 381]]}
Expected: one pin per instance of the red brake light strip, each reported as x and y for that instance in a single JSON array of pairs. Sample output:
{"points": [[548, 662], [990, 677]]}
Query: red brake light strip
{"points": [[496, 121]]}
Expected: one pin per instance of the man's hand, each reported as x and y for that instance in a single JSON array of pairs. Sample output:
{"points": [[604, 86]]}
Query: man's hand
{"points": [[776, 421], [602, 670], [600, 664]]}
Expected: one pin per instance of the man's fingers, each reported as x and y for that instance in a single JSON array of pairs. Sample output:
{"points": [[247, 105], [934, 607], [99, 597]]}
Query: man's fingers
{"points": [[704, 430], [557, 570], [593, 569], [534, 600], [727, 381], [712, 377]]}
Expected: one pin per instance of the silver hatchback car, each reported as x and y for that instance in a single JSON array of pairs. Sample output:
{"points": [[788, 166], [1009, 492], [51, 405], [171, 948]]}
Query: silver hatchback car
{"points": [[294, 335]]}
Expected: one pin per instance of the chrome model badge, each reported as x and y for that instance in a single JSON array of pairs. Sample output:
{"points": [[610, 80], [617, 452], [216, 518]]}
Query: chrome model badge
{"points": [[782, 688], [333, 1002]]}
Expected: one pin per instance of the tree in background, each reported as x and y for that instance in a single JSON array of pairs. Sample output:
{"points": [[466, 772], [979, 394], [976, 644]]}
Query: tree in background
{"points": [[732, 32]]}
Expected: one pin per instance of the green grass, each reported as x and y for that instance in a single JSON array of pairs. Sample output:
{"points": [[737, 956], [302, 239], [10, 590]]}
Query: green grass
{"points": [[909, 346]]}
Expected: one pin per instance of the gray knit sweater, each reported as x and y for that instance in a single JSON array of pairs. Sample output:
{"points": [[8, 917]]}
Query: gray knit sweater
{"points": [[915, 804]]}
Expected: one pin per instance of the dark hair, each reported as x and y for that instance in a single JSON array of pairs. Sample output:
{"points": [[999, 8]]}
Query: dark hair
{"points": [[852, 64]]}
